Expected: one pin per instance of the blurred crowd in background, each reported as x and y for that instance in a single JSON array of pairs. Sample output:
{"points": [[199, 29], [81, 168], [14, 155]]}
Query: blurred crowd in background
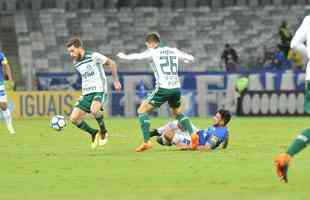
{"points": [[280, 57]]}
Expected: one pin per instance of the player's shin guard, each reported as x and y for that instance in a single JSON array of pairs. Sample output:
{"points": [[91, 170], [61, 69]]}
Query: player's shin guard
{"points": [[85, 127], [299, 143], [185, 122], [7, 116], [99, 119], [307, 97], [8, 120], [145, 126]]}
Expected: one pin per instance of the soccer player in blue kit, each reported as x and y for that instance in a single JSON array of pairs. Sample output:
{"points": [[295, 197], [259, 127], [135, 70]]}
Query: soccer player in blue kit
{"points": [[5, 69], [215, 136]]}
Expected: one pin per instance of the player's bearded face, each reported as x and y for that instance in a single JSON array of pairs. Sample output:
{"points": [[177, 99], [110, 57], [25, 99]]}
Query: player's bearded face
{"points": [[74, 52]]}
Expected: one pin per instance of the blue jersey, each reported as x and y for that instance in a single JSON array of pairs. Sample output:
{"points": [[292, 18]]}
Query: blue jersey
{"points": [[2, 58], [214, 136]]}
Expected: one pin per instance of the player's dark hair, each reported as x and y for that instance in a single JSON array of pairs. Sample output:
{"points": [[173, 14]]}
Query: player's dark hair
{"points": [[76, 42], [152, 37], [226, 116]]}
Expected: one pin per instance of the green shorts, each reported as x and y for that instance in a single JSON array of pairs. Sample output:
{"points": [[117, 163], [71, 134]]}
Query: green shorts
{"points": [[160, 95], [85, 101]]}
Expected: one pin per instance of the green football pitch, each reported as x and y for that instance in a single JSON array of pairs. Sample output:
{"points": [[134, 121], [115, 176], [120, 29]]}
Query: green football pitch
{"points": [[38, 163]]}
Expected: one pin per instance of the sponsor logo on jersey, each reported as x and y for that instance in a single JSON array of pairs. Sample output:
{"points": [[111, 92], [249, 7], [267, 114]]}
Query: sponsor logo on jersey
{"points": [[89, 89], [86, 75]]}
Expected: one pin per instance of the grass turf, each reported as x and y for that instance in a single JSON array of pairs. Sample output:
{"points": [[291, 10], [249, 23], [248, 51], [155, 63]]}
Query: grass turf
{"points": [[39, 163]]}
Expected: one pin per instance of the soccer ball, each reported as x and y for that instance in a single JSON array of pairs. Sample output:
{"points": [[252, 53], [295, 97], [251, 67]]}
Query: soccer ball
{"points": [[58, 122]]}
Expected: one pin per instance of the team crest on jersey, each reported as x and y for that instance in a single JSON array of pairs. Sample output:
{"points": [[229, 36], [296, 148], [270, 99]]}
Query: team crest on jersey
{"points": [[89, 67], [214, 139], [90, 72]]}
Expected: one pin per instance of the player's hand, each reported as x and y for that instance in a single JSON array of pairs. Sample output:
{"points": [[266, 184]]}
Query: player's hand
{"points": [[190, 60], [121, 55], [117, 86]]}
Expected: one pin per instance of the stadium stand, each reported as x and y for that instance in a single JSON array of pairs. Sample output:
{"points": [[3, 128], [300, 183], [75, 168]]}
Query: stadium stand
{"points": [[198, 27]]}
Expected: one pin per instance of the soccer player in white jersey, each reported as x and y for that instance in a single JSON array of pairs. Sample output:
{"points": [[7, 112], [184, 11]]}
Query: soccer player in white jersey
{"points": [[300, 43], [217, 135], [173, 133], [5, 67], [164, 62], [94, 89]]}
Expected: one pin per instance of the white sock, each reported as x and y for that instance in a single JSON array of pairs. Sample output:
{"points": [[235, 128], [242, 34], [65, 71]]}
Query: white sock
{"points": [[7, 117]]}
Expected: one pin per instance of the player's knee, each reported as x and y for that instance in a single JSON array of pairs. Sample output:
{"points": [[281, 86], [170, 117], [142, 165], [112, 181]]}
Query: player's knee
{"points": [[74, 119], [3, 106], [174, 114], [140, 111], [145, 107], [95, 113]]}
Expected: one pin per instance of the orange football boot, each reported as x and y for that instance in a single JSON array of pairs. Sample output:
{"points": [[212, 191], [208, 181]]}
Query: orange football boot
{"points": [[195, 140], [281, 163], [144, 146]]}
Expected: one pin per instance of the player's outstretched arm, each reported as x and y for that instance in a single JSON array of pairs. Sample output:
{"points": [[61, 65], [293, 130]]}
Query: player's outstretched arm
{"points": [[135, 56], [300, 37], [112, 65], [185, 56]]}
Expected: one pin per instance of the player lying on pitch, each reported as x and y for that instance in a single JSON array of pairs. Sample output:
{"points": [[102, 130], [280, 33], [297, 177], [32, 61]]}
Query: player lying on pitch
{"points": [[174, 134]]}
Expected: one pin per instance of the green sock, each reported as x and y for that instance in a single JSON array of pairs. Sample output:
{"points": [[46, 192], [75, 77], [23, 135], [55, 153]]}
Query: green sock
{"points": [[185, 122], [100, 121], [85, 127], [299, 143], [307, 97], [145, 126]]}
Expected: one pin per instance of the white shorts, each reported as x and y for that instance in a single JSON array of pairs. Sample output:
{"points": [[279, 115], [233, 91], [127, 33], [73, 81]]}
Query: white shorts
{"points": [[181, 137], [3, 97]]}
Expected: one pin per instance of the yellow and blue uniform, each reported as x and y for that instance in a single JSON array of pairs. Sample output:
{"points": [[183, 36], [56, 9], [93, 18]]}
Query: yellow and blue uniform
{"points": [[214, 136]]}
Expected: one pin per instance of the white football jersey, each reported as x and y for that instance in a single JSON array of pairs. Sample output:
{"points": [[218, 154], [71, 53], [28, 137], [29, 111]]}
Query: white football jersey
{"points": [[165, 63], [92, 72], [301, 42]]}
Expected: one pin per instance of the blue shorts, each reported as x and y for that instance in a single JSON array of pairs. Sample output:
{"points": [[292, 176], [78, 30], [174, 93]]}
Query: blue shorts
{"points": [[203, 137]]}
